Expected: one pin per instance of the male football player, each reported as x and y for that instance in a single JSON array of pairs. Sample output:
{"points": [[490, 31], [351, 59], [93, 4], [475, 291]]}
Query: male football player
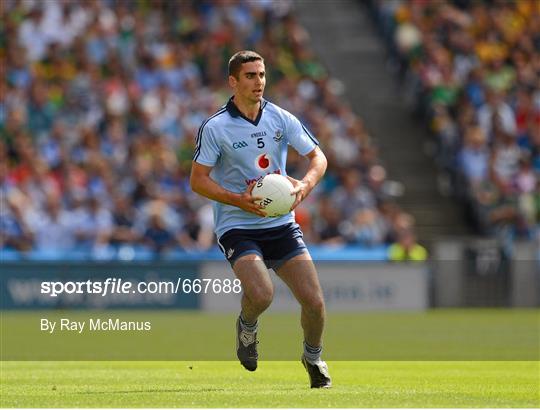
{"points": [[242, 142]]}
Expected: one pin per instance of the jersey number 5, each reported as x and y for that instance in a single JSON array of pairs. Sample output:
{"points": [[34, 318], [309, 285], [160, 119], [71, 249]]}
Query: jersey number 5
{"points": [[260, 142]]}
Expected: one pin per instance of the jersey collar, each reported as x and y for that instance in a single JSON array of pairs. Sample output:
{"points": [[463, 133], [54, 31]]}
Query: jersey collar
{"points": [[235, 112]]}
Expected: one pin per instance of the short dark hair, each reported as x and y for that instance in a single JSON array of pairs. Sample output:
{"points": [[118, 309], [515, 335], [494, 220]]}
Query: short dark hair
{"points": [[242, 57]]}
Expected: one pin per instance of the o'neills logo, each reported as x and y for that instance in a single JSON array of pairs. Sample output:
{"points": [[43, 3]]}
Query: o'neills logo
{"points": [[262, 161]]}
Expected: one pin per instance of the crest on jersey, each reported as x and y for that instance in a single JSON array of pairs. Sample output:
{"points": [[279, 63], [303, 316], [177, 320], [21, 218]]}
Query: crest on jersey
{"points": [[279, 136], [263, 161]]}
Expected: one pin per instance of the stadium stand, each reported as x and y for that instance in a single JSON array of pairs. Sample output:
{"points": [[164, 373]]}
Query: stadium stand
{"points": [[100, 103], [472, 71]]}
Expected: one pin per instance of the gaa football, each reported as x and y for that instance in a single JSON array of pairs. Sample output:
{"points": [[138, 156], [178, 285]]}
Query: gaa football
{"points": [[275, 191]]}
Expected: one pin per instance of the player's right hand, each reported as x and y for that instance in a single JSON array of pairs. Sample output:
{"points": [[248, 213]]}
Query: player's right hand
{"points": [[249, 203]]}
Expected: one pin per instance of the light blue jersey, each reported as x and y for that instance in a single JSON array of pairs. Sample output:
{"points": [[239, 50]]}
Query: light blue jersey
{"points": [[241, 151]]}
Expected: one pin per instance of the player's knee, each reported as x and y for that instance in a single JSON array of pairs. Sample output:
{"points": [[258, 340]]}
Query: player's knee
{"points": [[262, 298], [314, 307]]}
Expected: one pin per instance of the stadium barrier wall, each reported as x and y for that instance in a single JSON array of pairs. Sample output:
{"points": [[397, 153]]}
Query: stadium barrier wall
{"points": [[473, 272], [462, 272], [347, 285], [525, 286]]}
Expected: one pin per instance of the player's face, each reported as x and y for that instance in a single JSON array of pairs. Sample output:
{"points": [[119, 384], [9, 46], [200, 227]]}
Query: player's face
{"points": [[250, 82]]}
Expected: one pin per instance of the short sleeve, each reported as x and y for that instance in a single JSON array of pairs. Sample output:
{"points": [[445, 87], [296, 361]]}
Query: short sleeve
{"points": [[298, 135], [207, 150]]}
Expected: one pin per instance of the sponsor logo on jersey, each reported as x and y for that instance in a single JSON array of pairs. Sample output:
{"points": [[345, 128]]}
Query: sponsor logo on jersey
{"points": [[230, 253], [249, 181], [263, 161], [279, 136], [258, 134], [239, 144]]}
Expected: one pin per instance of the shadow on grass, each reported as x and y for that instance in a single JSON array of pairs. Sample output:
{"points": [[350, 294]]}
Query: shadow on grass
{"points": [[179, 390], [153, 391]]}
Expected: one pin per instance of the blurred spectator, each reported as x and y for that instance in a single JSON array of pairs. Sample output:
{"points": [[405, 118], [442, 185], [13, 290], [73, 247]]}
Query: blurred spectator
{"points": [[525, 184], [156, 235], [496, 112], [123, 216], [54, 228], [504, 161], [368, 228], [330, 229], [352, 195], [495, 212], [473, 158], [93, 223], [407, 249], [14, 233]]}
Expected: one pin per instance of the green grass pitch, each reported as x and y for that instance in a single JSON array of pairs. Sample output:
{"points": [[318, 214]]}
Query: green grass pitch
{"points": [[274, 384], [438, 358]]}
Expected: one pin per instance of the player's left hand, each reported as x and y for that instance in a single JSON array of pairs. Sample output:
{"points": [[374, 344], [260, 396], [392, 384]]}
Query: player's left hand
{"points": [[301, 189]]}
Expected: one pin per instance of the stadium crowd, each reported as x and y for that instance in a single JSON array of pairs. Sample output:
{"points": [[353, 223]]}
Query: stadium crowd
{"points": [[472, 70], [100, 102]]}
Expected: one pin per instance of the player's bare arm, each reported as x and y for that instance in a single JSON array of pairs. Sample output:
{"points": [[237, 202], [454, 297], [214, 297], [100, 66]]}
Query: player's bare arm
{"points": [[316, 170], [204, 185]]}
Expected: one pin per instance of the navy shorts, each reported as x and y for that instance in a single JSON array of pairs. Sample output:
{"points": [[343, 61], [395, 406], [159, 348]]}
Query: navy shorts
{"points": [[274, 245]]}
